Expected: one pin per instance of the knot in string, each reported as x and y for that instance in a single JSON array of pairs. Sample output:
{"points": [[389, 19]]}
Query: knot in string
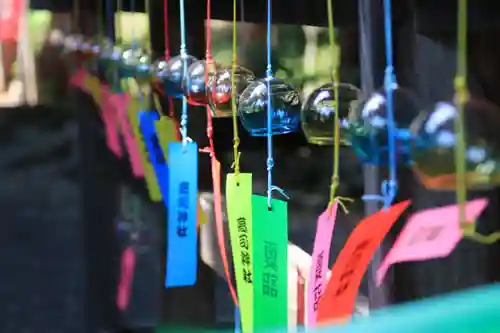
{"points": [[207, 150], [469, 231], [210, 131], [388, 193], [390, 78], [461, 92], [342, 203], [270, 164]]}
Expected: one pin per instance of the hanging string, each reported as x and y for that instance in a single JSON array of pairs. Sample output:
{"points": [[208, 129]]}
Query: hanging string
{"points": [[110, 19], [147, 11], [117, 25], [389, 187], [167, 54], [461, 95], [132, 28], [461, 98], [236, 136], [269, 74], [100, 23], [242, 10], [216, 173], [183, 52], [76, 16], [334, 48]]}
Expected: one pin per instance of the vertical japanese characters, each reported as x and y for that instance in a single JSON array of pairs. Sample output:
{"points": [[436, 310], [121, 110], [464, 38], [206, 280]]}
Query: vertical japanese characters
{"points": [[183, 209], [246, 262], [270, 277], [318, 280]]}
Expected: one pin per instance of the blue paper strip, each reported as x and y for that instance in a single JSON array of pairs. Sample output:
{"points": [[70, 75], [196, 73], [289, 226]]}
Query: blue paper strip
{"points": [[147, 125], [237, 320], [182, 246]]}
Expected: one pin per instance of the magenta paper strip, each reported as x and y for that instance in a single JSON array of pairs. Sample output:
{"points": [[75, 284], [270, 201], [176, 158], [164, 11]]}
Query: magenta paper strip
{"points": [[127, 269], [110, 120], [431, 234], [120, 102], [319, 261]]}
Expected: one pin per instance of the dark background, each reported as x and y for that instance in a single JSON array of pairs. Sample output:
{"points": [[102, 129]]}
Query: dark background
{"points": [[60, 186]]}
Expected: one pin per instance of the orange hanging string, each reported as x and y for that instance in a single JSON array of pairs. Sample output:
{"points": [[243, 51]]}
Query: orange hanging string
{"points": [[215, 164]]}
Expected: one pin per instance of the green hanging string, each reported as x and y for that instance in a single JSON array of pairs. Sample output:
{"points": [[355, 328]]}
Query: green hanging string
{"points": [[335, 50], [461, 98]]}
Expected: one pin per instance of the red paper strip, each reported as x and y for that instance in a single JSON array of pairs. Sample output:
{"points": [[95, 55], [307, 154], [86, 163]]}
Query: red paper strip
{"points": [[339, 298]]}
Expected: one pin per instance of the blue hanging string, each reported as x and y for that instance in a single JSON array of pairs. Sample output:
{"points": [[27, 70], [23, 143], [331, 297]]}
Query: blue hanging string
{"points": [[389, 186], [183, 52], [269, 75]]}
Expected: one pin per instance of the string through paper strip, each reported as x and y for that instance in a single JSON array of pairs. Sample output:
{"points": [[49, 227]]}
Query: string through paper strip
{"points": [[336, 130], [389, 186], [461, 98], [269, 75], [183, 53], [236, 137], [215, 164]]}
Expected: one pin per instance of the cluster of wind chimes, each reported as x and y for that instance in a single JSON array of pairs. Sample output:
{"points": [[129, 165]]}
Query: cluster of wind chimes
{"points": [[18, 84]]}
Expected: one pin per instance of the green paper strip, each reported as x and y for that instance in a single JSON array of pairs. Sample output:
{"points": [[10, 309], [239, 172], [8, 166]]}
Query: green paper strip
{"points": [[270, 246], [239, 211]]}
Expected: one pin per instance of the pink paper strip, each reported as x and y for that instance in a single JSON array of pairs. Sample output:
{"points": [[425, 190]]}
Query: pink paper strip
{"points": [[319, 261], [431, 234], [120, 102], [78, 78], [109, 118], [126, 278]]}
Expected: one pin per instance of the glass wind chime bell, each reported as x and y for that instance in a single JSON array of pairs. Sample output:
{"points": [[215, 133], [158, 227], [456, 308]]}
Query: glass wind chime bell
{"points": [[220, 89], [198, 77], [171, 74], [433, 153], [366, 128], [254, 108], [285, 107], [135, 62], [318, 112]]}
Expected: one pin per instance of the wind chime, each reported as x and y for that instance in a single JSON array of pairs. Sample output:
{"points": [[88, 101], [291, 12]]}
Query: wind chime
{"points": [[384, 129]]}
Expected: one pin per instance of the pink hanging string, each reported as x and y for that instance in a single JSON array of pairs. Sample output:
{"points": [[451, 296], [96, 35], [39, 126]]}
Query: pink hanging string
{"points": [[127, 267]]}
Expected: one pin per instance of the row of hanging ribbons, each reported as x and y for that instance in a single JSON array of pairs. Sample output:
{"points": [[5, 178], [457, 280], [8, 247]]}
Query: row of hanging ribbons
{"points": [[260, 250]]}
